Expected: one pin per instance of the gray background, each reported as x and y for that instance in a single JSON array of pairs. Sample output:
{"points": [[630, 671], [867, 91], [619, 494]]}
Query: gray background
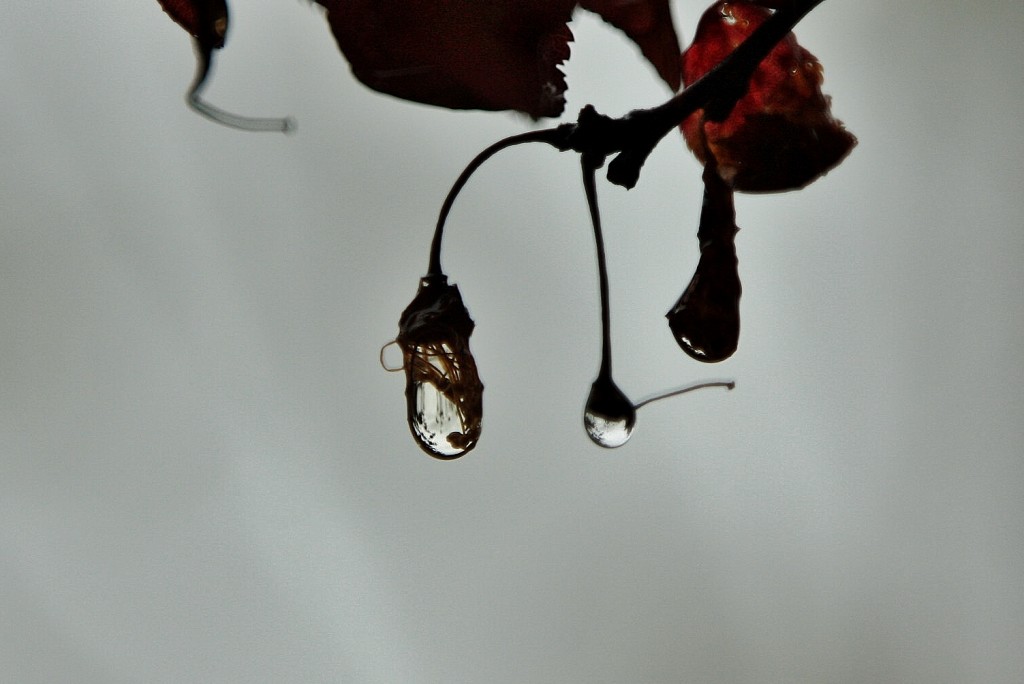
{"points": [[206, 476]]}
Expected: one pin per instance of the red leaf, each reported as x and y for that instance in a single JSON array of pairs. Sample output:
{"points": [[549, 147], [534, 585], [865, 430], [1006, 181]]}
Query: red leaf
{"points": [[205, 20], [781, 134], [460, 54], [484, 54]]}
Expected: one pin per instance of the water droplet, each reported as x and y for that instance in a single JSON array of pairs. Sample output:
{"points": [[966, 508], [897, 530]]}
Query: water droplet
{"points": [[609, 417], [706, 319], [442, 422], [443, 391]]}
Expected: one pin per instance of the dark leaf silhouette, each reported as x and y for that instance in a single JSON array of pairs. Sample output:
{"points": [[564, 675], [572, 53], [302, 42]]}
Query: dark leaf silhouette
{"points": [[781, 134], [495, 55]]}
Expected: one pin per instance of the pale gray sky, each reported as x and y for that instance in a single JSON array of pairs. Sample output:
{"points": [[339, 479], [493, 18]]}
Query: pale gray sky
{"points": [[205, 476]]}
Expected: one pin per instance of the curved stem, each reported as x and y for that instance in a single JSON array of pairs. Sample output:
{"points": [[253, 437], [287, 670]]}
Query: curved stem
{"points": [[548, 135], [245, 123], [727, 384], [590, 166], [634, 136], [204, 61]]}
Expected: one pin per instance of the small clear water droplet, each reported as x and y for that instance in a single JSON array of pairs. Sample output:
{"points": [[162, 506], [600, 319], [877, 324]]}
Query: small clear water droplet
{"points": [[609, 416]]}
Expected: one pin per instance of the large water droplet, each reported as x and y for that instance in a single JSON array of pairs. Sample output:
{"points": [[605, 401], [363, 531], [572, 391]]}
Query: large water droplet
{"points": [[706, 319], [609, 416], [441, 426], [443, 391]]}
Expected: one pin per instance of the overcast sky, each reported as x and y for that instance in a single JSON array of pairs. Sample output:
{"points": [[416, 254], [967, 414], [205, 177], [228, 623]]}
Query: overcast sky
{"points": [[205, 476]]}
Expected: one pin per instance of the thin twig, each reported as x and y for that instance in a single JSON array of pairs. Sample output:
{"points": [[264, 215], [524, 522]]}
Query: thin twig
{"points": [[727, 384], [633, 137]]}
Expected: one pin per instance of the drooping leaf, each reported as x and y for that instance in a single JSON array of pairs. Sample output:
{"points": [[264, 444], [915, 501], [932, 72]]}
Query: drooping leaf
{"points": [[476, 54], [781, 134], [460, 54]]}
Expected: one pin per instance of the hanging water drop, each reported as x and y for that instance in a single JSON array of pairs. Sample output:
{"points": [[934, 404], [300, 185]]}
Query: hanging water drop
{"points": [[441, 420], [706, 319], [609, 416], [443, 391]]}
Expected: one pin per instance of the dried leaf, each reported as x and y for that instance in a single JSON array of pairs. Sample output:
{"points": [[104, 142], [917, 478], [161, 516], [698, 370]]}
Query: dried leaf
{"points": [[494, 55], [781, 134]]}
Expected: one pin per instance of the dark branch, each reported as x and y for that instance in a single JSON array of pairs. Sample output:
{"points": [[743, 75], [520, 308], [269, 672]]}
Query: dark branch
{"points": [[632, 138], [552, 136]]}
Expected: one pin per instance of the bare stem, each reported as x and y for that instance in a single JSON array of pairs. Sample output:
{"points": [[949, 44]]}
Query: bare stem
{"points": [[204, 57], [727, 384], [633, 137], [548, 135], [590, 166]]}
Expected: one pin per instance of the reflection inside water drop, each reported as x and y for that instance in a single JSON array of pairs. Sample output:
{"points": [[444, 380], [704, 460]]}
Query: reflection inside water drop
{"points": [[444, 423], [608, 432], [609, 417], [444, 394]]}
